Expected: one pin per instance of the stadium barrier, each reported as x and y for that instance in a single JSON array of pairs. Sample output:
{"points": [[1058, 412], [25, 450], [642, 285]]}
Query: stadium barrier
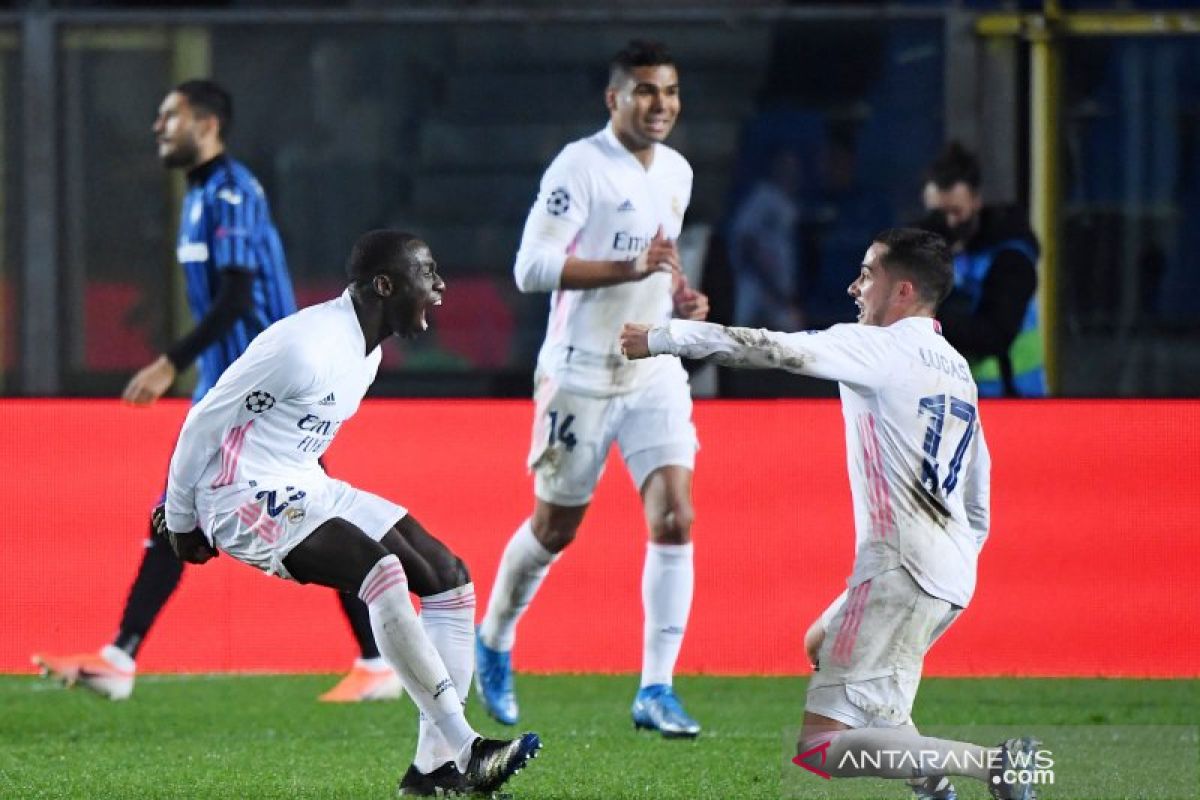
{"points": [[1092, 567]]}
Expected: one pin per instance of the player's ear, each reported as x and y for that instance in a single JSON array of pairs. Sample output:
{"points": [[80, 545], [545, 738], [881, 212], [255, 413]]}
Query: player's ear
{"points": [[610, 98], [208, 125], [383, 285]]}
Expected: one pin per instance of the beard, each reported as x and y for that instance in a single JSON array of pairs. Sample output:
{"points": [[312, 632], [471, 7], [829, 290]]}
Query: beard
{"points": [[961, 233], [183, 155]]}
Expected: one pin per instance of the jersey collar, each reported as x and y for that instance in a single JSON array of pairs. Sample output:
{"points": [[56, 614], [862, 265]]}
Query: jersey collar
{"points": [[610, 136], [199, 174], [928, 323]]}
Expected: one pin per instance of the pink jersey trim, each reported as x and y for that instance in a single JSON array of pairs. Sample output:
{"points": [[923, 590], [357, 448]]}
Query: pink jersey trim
{"points": [[231, 450]]}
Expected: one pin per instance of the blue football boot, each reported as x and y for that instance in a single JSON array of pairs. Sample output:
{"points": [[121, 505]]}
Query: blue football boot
{"points": [[494, 682], [657, 708]]}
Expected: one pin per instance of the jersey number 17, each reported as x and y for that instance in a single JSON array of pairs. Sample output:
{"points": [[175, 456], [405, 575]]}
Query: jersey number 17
{"points": [[934, 406]]}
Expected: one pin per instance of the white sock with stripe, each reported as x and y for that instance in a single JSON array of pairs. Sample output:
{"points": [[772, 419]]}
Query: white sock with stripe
{"points": [[522, 569], [668, 578], [449, 621], [404, 643]]}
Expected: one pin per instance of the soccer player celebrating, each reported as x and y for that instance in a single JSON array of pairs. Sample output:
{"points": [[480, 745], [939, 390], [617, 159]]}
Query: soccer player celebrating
{"points": [[919, 476], [237, 285], [600, 238], [245, 480]]}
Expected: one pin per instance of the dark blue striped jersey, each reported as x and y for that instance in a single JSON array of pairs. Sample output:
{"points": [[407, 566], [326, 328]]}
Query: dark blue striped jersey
{"points": [[225, 224]]}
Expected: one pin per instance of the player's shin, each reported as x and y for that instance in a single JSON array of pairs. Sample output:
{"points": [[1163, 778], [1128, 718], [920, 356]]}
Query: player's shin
{"points": [[448, 619], [405, 644], [522, 569], [668, 578]]}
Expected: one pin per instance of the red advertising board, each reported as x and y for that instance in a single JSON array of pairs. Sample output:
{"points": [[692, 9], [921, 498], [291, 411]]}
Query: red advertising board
{"points": [[1092, 568]]}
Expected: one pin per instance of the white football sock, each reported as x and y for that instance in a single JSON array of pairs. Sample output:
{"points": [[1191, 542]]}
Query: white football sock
{"points": [[118, 658], [403, 642], [667, 581], [449, 621], [376, 664], [896, 753], [522, 568]]}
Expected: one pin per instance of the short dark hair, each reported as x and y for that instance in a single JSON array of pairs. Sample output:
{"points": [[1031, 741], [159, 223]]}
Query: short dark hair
{"points": [[922, 257], [638, 53], [209, 98], [378, 252], [955, 164]]}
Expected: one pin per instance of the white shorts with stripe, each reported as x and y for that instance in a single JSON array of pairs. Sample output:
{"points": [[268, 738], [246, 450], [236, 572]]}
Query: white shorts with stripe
{"points": [[573, 432], [261, 525], [876, 637]]}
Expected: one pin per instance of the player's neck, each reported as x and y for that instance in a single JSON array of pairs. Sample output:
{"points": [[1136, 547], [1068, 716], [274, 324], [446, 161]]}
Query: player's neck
{"points": [[917, 313], [370, 320], [209, 151], [642, 151]]}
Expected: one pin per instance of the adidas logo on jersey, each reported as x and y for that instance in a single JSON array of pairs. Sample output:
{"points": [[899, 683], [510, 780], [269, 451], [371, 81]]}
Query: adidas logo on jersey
{"points": [[328, 400], [626, 206]]}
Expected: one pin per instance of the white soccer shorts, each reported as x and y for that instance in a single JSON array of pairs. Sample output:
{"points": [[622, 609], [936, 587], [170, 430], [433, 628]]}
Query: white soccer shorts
{"points": [[260, 526], [572, 434], [875, 643]]}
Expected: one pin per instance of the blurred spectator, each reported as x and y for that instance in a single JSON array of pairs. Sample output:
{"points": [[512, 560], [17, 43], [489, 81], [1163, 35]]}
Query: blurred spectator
{"points": [[763, 251], [991, 317]]}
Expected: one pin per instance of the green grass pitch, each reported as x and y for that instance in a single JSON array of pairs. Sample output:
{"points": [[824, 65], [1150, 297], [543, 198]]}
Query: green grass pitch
{"points": [[266, 737]]}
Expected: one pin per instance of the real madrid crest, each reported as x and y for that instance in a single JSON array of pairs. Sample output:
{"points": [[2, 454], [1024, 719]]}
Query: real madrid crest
{"points": [[677, 207]]}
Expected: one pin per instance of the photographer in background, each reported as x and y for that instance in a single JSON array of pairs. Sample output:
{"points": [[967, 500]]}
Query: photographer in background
{"points": [[991, 317]]}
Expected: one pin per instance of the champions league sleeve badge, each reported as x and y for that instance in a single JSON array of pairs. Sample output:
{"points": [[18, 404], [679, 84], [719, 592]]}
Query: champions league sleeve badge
{"points": [[259, 401], [559, 202]]}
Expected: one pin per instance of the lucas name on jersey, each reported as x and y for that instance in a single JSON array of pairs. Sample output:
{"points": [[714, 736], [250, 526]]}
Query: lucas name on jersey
{"points": [[955, 369]]}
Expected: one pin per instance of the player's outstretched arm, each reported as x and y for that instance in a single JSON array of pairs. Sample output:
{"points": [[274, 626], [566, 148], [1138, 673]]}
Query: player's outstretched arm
{"points": [[728, 346], [847, 353]]}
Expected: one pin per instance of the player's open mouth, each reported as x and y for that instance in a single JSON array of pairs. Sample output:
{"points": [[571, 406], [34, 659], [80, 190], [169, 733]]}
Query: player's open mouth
{"points": [[425, 311], [858, 304]]}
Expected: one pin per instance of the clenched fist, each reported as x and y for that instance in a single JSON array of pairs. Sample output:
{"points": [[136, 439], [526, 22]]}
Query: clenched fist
{"points": [[191, 547], [635, 340]]}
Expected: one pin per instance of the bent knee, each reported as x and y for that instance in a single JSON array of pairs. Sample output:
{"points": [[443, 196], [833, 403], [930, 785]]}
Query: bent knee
{"points": [[672, 525], [552, 534]]}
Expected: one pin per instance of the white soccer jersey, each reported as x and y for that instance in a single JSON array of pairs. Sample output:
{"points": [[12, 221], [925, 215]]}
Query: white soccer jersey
{"points": [[274, 411], [598, 202], [919, 466]]}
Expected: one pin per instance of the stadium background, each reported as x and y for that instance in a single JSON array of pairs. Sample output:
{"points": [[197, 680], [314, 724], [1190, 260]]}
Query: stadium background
{"points": [[439, 118]]}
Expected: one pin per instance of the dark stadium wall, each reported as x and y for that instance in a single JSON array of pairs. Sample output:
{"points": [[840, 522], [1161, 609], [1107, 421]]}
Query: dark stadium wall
{"points": [[1092, 567]]}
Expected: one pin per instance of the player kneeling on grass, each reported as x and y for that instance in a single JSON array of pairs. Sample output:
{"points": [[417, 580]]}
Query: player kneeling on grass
{"points": [[919, 477], [245, 480]]}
